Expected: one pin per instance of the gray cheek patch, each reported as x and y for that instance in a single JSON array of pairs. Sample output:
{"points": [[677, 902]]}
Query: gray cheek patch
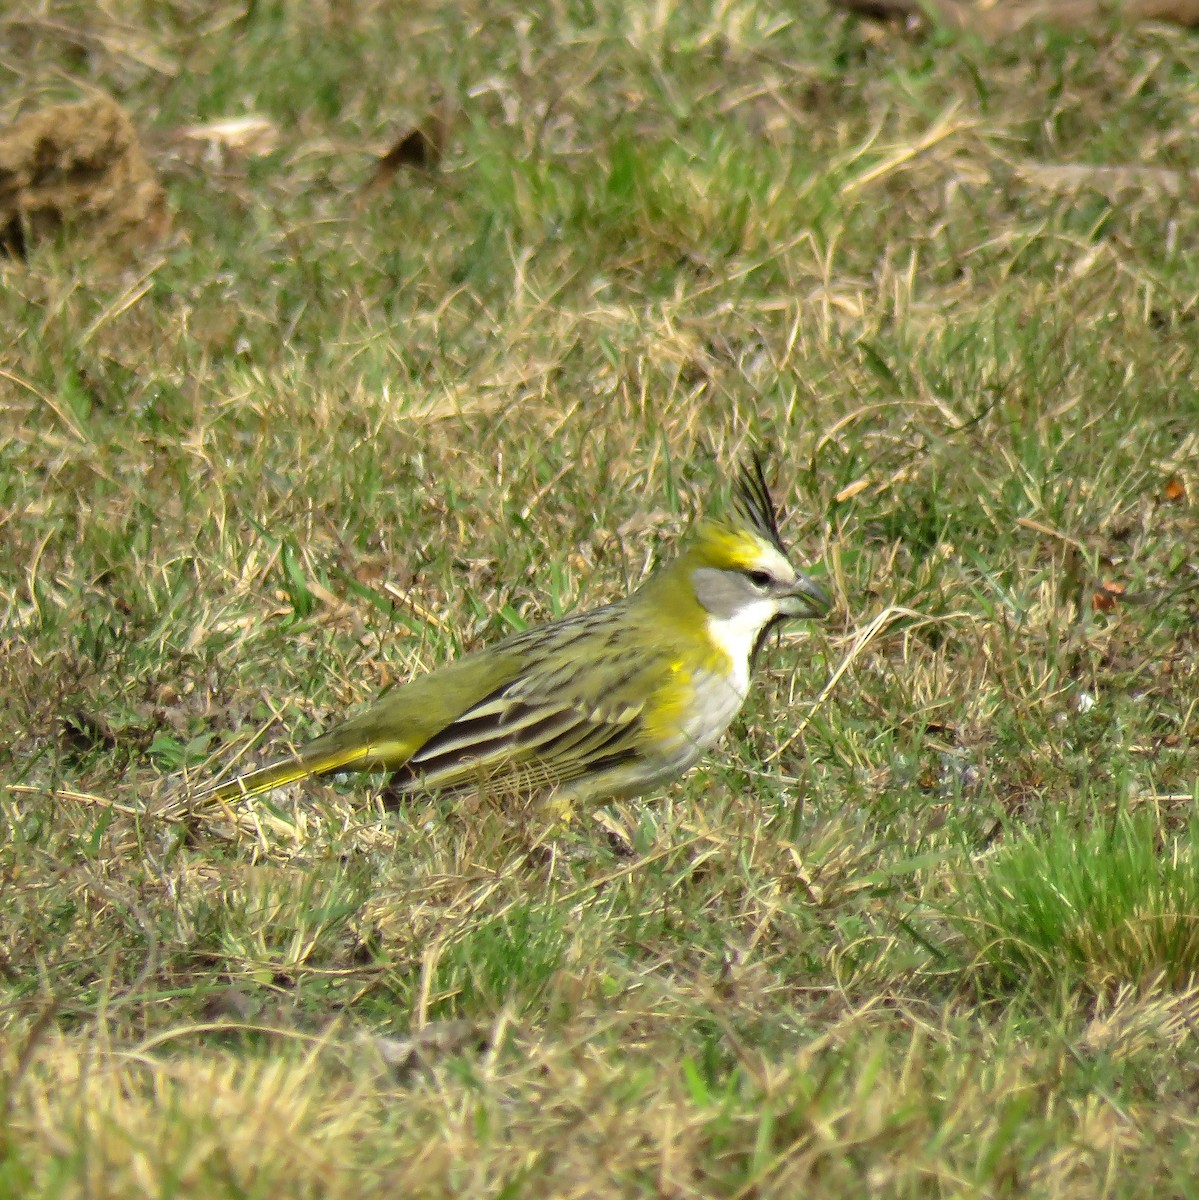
{"points": [[722, 593]]}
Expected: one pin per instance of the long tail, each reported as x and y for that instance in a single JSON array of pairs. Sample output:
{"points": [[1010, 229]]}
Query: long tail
{"points": [[313, 761]]}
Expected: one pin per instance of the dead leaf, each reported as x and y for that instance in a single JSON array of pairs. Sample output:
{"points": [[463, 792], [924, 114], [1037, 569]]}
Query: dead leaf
{"points": [[1106, 594], [415, 149], [252, 135], [1174, 490], [419, 147], [852, 489]]}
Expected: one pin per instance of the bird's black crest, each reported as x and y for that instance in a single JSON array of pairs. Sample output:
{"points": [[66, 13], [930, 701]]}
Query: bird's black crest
{"points": [[752, 501]]}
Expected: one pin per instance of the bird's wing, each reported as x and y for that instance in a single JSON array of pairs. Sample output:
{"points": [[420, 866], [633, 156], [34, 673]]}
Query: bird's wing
{"points": [[575, 709], [516, 744]]}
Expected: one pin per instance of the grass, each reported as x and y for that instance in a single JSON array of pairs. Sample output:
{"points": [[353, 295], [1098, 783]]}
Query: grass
{"points": [[1112, 905], [924, 932]]}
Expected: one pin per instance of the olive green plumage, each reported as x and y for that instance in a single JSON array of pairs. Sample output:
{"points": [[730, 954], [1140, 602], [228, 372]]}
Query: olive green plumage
{"points": [[604, 703]]}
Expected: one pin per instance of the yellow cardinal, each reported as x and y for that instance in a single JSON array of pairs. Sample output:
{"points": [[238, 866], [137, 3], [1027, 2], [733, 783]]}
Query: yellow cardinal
{"points": [[602, 704]]}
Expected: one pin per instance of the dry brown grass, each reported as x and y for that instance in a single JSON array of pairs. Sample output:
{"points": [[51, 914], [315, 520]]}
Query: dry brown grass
{"points": [[320, 442]]}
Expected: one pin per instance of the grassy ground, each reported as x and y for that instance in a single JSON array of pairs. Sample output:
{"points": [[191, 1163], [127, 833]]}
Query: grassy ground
{"points": [[930, 931]]}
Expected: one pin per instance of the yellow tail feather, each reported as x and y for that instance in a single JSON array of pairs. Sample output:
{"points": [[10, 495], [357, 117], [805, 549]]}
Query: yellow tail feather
{"points": [[254, 783]]}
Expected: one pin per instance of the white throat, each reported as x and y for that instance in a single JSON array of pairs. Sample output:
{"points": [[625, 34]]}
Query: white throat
{"points": [[736, 635]]}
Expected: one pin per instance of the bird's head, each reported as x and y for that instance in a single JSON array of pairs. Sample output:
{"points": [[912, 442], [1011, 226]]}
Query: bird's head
{"points": [[739, 566]]}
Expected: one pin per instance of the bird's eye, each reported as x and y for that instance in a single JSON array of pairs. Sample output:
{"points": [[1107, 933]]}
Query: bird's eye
{"points": [[760, 579]]}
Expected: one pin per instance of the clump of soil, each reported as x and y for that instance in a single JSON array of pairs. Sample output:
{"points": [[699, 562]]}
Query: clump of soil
{"points": [[80, 167]]}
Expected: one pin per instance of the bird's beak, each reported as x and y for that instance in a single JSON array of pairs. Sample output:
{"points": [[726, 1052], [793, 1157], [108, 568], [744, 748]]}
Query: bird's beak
{"points": [[804, 598]]}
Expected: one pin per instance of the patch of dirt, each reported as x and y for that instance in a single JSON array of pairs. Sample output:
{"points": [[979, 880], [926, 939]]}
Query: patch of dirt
{"points": [[79, 166]]}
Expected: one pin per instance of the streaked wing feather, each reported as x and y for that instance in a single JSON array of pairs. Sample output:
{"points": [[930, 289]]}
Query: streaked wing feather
{"points": [[490, 734], [511, 742], [564, 717]]}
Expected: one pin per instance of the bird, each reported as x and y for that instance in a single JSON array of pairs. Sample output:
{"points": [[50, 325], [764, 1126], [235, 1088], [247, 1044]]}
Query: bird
{"points": [[605, 704]]}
